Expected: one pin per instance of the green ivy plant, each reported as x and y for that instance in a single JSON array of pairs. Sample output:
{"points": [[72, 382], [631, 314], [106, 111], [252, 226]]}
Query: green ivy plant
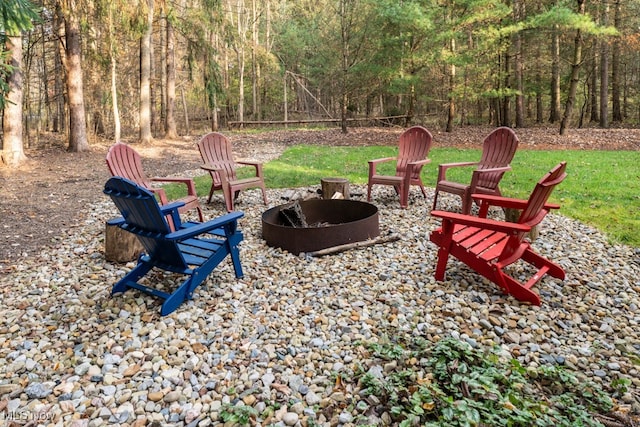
{"points": [[240, 414], [452, 384]]}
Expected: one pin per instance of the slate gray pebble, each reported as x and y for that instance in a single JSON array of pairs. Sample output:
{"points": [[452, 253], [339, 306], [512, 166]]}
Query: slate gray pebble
{"points": [[72, 355]]}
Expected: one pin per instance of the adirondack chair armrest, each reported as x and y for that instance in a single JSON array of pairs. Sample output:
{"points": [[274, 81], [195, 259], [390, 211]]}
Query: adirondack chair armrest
{"points": [[484, 223], [116, 221], [248, 162], [373, 164], [443, 167], [420, 162], [221, 170], [215, 167], [477, 174], [205, 227], [499, 201], [166, 210], [191, 186], [254, 163], [210, 168], [170, 207], [492, 170], [383, 159]]}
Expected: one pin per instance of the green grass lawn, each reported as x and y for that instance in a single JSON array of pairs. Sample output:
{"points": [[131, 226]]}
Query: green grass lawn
{"points": [[602, 187]]}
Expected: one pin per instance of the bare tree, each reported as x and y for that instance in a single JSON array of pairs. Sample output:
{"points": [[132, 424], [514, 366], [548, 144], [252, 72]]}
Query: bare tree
{"points": [[12, 147], [114, 80], [554, 115], [170, 127], [604, 71], [145, 78], [615, 67], [73, 65], [519, 14], [575, 73]]}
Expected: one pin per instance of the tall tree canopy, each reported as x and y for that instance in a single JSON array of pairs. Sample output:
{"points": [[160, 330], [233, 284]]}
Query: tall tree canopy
{"points": [[16, 16], [233, 62]]}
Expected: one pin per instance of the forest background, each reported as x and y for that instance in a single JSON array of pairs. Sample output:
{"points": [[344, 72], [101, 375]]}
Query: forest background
{"points": [[136, 70]]}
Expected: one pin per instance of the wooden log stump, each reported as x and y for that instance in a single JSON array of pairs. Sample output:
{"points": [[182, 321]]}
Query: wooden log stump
{"points": [[335, 188], [120, 246], [512, 215]]}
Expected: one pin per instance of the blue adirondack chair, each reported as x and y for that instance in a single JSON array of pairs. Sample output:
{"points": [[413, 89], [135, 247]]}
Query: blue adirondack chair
{"points": [[193, 249]]}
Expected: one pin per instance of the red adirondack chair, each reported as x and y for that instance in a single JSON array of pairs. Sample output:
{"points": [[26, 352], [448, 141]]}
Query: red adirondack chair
{"points": [[216, 153], [413, 149], [124, 161], [498, 150], [490, 246]]}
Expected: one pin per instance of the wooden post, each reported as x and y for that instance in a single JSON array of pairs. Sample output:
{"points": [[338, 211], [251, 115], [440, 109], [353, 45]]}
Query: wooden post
{"points": [[512, 215], [331, 186], [120, 246]]}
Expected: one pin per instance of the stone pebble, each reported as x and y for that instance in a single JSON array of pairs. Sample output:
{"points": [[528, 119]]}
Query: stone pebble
{"points": [[272, 342]]}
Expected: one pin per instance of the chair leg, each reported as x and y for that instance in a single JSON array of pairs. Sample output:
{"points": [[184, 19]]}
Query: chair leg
{"points": [[467, 202], [228, 198], [235, 259], [210, 193], [404, 196], [435, 200], [516, 289], [368, 191], [404, 189], [133, 276], [174, 300], [554, 270], [443, 257], [424, 192]]}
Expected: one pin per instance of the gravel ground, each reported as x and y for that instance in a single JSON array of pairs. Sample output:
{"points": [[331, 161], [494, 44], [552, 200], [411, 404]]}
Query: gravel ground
{"points": [[72, 355]]}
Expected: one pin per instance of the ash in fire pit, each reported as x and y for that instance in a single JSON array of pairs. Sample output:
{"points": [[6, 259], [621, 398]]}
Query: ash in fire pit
{"points": [[311, 225]]}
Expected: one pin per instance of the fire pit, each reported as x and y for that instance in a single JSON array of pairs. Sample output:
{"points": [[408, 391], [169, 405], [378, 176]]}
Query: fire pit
{"points": [[325, 224]]}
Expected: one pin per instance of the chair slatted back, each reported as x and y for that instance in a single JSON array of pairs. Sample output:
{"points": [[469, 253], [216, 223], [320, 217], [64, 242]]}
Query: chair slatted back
{"points": [[414, 145], [535, 211], [215, 149], [498, 150], [124, 161], [144, 218]]}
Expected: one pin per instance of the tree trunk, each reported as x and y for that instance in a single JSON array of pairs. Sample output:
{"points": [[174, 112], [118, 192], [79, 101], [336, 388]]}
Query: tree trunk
{"points": [[114, 80], [344, 39], [254, 61], [615, 69], [575, 73], [145, 78], [506, 99], [45, 83], [164, 40], [241, 27], [186, 113], [451, 110], [77, 119], [60, 119], [604, 72], [12, 144], [592, 84], [519, 9], [114, 94], [539, 101], [554, 115], [170, 125]]}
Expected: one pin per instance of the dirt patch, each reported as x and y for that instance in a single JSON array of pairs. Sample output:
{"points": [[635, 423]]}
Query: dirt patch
{"points": [[45, 197]]}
